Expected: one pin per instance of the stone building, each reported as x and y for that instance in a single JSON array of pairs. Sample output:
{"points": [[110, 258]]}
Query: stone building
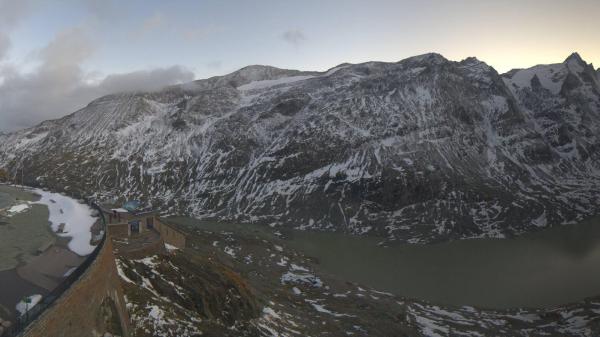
{"points": [[128, 223]]}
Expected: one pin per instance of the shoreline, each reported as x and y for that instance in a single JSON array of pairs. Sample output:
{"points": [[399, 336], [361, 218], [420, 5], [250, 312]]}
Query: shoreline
{"points": [[42, 264], [492, 274]]}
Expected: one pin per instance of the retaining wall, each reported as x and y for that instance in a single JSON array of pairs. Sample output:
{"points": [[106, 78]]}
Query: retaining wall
{"points": [[169, 234]]}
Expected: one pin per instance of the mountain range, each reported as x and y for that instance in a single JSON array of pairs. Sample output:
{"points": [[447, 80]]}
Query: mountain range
{"points": [[421, 150]]}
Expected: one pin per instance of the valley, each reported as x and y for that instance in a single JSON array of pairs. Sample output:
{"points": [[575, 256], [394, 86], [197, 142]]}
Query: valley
{"points": [[421, 197], [308, 168]]}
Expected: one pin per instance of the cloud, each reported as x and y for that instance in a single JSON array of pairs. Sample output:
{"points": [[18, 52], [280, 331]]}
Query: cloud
{"points": [[4, 45], [149, 25], [11, 12], [59, 85], [68, 49], [145, 80], [293, 36]]}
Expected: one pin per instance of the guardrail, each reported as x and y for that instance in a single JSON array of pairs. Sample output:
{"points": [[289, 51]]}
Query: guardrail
{"points": [[22, 322]]}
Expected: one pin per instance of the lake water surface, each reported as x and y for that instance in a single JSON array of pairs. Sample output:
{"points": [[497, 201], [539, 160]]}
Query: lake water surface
{"points": [[544, 269], [20, 237], [5, 200]]}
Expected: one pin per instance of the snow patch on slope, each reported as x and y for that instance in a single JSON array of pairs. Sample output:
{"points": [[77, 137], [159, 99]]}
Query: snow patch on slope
{"points": [[550, 77], [77, 219], [254, 85], [14, 210]]}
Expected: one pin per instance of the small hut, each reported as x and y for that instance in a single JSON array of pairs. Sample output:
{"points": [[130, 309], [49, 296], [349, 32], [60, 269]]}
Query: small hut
{"points": [[130, 219]]}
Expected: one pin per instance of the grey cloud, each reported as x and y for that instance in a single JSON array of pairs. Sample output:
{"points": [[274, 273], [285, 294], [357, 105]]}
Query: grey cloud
{"points": [[149, 25], [145, 80], [294, 36], [68, 49], [60, 85], [11, 12], [4, 45]]}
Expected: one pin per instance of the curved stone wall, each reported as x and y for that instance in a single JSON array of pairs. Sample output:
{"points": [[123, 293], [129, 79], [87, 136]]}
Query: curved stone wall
{"points": [[82, 310]]}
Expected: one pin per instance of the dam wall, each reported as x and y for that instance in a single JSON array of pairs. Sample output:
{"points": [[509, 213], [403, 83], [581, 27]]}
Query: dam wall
{"points": [[91, 303], [91, 306], [89, 300]]}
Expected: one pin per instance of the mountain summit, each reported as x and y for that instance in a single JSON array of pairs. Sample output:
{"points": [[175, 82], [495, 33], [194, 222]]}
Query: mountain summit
{"points": [[421, 150], [575, 57]]}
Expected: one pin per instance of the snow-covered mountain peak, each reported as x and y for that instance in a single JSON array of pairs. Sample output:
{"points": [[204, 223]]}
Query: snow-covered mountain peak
{"points": [[573, 73], [575, 58], [472, 60], [259, 73], [479, 69], [433, 58]]}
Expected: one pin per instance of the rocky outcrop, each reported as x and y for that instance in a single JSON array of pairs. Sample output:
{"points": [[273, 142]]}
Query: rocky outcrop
{"points": [[420, 150]]}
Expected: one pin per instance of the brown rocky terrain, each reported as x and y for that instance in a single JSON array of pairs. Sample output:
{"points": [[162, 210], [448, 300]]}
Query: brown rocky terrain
{"points": [[248, 283]]}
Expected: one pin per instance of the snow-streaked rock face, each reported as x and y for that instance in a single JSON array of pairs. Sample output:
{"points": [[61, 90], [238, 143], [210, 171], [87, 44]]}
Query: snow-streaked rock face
{"points": [[420, 150]]}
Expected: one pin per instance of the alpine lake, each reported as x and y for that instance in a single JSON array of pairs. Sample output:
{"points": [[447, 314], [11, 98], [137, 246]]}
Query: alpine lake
{"points": [[538, 270], [32, 257]]}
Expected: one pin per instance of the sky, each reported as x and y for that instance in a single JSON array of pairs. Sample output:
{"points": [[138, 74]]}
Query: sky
{"points": [[58, 55]]}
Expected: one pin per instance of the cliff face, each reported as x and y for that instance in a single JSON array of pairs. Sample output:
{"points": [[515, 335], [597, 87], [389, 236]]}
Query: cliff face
{"points": [[420, 150]]}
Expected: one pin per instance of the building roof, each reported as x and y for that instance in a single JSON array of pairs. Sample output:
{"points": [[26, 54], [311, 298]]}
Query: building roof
{"points": [[132, 205]]}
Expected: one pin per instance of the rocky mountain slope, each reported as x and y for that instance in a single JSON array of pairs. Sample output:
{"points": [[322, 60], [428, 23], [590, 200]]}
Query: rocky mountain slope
{"points": [[421, 150]]}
